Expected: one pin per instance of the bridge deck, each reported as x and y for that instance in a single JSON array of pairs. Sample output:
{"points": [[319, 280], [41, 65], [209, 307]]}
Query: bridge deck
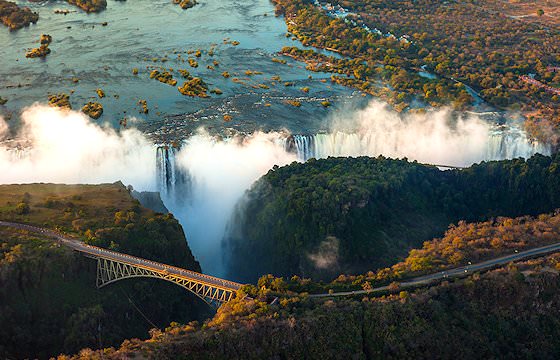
{"points": [[97, 252]]}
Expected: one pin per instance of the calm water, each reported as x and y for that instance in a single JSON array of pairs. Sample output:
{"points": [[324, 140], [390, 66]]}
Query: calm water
{"points": [[139, 31]]}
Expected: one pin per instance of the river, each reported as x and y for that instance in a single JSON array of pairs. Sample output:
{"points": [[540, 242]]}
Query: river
{"points": [[141, 31]]}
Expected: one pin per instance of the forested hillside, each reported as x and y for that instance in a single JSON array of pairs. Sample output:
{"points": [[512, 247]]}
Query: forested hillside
{"points": [[48, 299], [437, 51], [337, 215], [509, 313]]}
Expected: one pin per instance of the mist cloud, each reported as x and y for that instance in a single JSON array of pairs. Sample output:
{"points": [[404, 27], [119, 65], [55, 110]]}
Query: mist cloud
{"points": [[435, 137], [66, 147], [325, 257], [221, 171]]}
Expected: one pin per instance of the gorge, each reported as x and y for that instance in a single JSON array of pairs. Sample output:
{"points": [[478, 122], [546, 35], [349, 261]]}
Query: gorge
{"points": [[202, 178]]}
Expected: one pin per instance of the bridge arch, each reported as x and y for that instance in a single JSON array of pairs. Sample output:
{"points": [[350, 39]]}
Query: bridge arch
{"points": [[113, 266], [110, 271]]}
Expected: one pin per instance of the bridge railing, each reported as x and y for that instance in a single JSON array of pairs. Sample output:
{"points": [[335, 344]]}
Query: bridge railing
{"points": [[160, 266], [117, 256]]}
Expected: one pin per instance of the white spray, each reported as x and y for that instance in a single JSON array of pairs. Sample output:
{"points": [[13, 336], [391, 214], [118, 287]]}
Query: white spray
{"points": [[65, 147], [220, 172]]}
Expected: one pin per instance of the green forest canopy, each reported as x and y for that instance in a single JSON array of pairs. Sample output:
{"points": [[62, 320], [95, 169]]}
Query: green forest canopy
{"points": [[352, 215]]}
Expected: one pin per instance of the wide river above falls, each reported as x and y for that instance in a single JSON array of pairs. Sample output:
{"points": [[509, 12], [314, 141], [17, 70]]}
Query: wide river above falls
{"points": [[139, 34]]}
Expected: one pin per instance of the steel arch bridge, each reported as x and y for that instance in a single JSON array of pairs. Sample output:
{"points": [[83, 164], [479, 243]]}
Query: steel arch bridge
{"points": [[110, 271], [113, 266]]}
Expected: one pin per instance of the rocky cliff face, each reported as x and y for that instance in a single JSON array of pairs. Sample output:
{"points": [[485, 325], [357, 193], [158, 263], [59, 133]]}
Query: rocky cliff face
{"points": [[150, 200]]}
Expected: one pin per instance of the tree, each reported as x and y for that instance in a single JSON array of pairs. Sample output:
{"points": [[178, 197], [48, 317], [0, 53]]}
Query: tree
{"points": [[394, 286], [22, 208], [540, 12]]}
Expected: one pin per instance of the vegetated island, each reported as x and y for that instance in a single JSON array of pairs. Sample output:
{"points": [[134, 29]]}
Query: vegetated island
{"points": [[143, 106], [194, 87], [43, 50], [164, 77], [89, 5], [60, 100], [93, 109], [48, 299], [185, 4], [15, 17]]}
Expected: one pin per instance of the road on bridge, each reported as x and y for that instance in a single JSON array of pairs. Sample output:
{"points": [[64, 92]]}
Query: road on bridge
{"points": [[96, 252], [230, 285], [456, 272]]}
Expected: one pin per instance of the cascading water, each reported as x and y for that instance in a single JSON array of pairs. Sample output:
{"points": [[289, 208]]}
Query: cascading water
{"points": [[165, 167], [509, 143], [172, 181], [500, 144]]}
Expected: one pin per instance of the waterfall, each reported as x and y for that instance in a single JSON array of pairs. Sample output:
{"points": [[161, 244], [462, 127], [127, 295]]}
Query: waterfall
{"points": [[501, 144], [172, 180], [165, 167], [513, 143], [204, 177], [16, 150]]}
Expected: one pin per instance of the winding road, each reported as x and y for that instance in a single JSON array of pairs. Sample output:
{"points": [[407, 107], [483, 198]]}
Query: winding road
{"points": [[461, 271], [456, 272]]}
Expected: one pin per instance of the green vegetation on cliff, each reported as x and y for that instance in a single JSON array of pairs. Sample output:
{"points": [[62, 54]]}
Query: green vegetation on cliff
{"points": [[48, 299], [507, 313], [352, 215], [463, 244]]}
